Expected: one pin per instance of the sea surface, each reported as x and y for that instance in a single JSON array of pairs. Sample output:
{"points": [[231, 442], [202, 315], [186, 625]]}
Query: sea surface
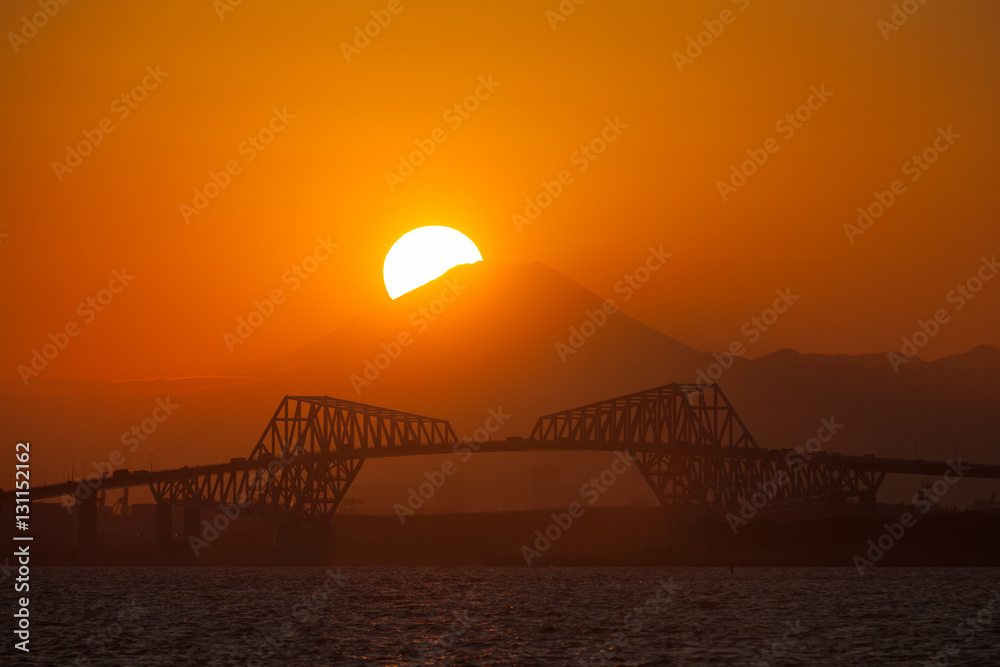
{"points": [[512, 616]]}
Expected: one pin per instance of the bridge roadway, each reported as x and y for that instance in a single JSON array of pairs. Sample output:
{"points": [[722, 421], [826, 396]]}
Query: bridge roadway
{"points": [[870, 464]]}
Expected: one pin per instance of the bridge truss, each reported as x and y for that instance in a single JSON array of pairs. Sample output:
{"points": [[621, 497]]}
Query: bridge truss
{"points": [[698, 456], [692, 448], [308, 456]]}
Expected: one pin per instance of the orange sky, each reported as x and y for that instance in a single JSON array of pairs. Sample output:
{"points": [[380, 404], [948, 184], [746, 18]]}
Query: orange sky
{"points": [[324, 173]]}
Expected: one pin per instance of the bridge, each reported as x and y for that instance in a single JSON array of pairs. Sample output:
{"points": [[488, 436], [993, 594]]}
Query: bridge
{"points": [[688, 442]]}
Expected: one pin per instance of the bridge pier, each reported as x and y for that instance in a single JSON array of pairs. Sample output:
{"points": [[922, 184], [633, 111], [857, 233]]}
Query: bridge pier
{"points": [[164, 532], [86, 529]]}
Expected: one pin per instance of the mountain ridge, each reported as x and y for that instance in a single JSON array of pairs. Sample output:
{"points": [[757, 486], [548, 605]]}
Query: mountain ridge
{"points": [[493, 343]]}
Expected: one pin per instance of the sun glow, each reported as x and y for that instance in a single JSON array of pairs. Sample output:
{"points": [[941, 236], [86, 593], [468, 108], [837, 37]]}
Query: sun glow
{"points": [[423, 254]]}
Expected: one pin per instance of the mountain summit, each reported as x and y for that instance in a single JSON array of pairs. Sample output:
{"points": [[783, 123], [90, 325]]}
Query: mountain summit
{"points": [[523, 340], [522, 327]]}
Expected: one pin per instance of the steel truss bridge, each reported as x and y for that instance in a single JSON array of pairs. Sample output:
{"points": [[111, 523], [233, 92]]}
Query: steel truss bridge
{"points": [[688, 442]]}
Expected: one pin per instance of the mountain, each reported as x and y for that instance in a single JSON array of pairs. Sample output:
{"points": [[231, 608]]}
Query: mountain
{"points": [[488, 333], [526, 340]]}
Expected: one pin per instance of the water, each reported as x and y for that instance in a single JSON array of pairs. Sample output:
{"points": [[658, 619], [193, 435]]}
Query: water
{"points": [[503, 616]]}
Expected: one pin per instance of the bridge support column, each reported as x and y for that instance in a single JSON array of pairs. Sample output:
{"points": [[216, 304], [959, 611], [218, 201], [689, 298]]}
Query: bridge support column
{"points": [[164, 532], [86, 529]]}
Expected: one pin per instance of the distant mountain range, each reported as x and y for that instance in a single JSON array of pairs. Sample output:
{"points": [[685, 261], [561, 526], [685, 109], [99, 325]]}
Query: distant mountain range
{"points": [[530, 340]]}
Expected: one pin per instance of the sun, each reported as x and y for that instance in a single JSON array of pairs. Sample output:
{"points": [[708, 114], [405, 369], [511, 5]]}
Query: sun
{"points": [[423, 254]]}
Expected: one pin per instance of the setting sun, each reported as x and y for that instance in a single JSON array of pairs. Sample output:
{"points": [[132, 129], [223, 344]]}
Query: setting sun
{"points": [[423, 254]]}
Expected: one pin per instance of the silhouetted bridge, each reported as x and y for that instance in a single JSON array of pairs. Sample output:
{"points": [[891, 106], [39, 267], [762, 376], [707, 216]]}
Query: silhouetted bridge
{"points": [[687, 441]]}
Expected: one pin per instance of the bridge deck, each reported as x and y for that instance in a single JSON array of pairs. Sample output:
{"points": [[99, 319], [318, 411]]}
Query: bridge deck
{"points": [[861, 463]]}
